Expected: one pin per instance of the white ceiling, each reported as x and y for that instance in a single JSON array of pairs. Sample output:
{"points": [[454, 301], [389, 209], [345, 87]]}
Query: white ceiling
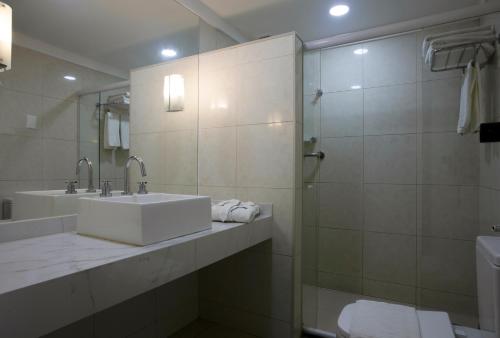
{"points": [[310, 18], [127, 34]]}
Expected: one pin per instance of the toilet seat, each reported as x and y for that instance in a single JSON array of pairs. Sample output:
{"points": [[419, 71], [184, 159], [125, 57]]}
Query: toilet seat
{"points": [[433, 324]]}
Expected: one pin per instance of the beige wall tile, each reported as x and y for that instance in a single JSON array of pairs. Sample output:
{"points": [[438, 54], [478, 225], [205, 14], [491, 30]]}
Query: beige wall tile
{"points": [[265, 157], [59, 119], [181, 165], [217, 157], [15, 167]]}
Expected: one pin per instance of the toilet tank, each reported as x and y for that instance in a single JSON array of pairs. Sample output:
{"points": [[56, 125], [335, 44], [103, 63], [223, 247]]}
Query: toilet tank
{"points": [[488, 283]]}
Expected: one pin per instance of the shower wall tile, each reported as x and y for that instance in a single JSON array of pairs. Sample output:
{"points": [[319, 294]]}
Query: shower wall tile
{"points": [[340, 205], [447, 265], [390, 208], [344, 163], [418, 200], [449, 211], [340, 282], [390, 258], [450, 159], [390, 159], [395, 292], [390, 110], [440, 104], [340, 251], [312, 71], [342, 114], [341, 69], [390, 61]]}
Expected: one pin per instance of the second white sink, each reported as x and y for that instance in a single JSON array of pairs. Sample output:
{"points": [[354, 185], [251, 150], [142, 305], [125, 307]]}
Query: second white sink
{"points": [[144, 219]]}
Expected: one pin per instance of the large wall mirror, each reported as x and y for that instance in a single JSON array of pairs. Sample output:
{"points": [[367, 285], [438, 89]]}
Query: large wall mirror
{"points": [[67, 102]]}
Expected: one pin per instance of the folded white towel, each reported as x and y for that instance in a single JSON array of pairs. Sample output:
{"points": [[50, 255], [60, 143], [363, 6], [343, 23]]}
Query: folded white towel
{"points": [[470, 96], [235, 211], [111, 130], [124, 131], [244, 212], [382, 320]]}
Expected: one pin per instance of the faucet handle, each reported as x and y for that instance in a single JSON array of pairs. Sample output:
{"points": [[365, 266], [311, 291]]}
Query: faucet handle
{"points": [[106, 189], [142, 188], [71, 187]]}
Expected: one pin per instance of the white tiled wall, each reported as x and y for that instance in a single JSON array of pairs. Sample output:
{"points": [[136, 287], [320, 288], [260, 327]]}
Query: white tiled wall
{"points": [[392, 211], [249, 147], [45, 157]]}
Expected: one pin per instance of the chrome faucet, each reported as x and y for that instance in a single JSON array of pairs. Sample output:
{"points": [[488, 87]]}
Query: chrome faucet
{"points": [[90, 187], [126, 184]]}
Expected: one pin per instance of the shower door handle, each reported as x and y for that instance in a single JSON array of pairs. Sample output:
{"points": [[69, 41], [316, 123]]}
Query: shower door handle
{"points": [[319, 155]]}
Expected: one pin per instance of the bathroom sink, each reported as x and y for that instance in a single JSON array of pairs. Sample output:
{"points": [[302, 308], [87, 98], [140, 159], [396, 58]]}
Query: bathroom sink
{"points": [[47, 203], [143, 219]]}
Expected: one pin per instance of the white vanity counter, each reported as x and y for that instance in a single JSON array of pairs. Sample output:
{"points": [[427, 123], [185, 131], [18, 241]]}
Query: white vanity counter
{"points": [[49, 282]]}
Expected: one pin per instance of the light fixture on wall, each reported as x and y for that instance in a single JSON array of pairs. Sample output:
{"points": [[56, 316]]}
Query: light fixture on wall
{"points": [[173, 92], [339, 10], [5, 37]]}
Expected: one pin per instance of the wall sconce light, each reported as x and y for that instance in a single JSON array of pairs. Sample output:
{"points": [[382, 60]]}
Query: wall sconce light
{"points": [[5, 37], [173, 92]]}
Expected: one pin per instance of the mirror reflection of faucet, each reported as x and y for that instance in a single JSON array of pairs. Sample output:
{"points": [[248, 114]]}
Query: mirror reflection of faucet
{"points": [[90, 187], [126, 184]]}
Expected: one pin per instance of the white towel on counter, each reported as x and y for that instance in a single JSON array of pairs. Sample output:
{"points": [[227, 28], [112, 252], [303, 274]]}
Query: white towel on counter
{"points": [[235, 211], [470, 97], [111, 130], [125, 131], [383, 320]]}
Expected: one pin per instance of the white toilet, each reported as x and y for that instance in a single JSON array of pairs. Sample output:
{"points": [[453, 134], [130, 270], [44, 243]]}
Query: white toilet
{"points": [[434, 324]]}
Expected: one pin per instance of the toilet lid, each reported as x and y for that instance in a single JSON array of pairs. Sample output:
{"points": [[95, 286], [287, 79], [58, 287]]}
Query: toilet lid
{"points": [[433, 324]]}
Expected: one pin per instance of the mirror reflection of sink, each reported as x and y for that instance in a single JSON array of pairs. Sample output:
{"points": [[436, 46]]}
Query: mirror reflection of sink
{"points": [[47, 203], [144, 219]]}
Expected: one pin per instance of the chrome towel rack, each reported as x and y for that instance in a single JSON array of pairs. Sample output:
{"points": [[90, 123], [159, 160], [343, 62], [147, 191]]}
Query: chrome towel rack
{"points": [[319, 155]]}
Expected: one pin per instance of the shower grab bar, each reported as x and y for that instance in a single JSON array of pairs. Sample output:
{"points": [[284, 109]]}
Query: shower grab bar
{"points": [[319, 155]]}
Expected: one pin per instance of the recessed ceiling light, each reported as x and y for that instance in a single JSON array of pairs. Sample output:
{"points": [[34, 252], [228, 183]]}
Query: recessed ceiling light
{"points": [[360, 51], [356, 87], [339, 10], [168, 53], [69, 77]]}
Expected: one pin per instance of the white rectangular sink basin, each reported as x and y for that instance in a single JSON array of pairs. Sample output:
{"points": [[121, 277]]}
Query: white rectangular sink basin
{"points": [[143, 219], [47, 203]]}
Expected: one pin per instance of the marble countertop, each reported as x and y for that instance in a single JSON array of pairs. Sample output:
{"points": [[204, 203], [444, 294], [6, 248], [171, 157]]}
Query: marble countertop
{"points": [[58, 279]]}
